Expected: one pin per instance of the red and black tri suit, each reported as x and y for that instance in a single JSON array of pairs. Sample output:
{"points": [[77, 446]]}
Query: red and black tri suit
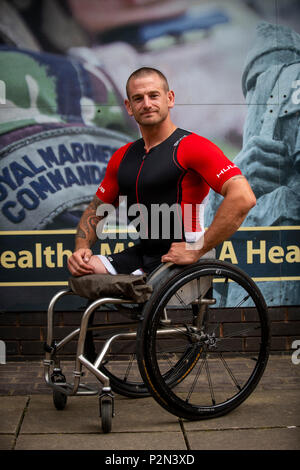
{"points": [[178, 172]]}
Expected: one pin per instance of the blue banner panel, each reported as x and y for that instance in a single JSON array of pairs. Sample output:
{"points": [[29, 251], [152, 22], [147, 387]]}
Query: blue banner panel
{"points": [[33, 264], [265, 253]]}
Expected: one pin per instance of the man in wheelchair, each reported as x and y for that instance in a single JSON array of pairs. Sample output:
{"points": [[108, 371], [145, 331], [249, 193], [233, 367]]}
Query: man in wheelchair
{"points": [[167, 166], [182, 347]]}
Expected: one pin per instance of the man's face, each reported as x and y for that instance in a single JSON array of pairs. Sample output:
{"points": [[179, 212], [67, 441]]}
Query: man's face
{"points": [[149, 101]]}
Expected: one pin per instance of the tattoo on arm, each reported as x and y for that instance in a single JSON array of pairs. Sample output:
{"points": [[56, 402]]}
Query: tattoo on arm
{"points": [[87, 226]]}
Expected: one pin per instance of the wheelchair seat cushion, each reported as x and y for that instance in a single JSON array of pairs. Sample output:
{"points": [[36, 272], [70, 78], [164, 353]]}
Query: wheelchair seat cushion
{"points": [[125, 286]]}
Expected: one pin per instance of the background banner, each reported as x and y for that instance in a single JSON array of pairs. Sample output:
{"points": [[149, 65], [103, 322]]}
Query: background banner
{"points": [[35, 262], [234, 68]]}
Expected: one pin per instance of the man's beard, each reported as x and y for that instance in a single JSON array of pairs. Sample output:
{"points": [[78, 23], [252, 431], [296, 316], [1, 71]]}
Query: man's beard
{"points": [[145, 122]]}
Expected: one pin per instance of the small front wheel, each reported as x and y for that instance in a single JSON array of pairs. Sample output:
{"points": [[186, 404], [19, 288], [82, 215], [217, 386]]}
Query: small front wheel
{"points": [[59, 400], [106, 409]]}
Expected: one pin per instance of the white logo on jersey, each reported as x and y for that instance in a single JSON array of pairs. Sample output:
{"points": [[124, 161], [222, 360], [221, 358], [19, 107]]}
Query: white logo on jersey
{"points": [[225, 169], [179, 140]]}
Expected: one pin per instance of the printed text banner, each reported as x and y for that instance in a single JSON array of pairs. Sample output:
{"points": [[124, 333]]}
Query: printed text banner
{"points": [[33, 264]]}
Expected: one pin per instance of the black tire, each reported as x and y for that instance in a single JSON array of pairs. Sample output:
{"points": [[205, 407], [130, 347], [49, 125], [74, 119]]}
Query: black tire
{"points": [[220, 360], [124, 373], [59, 400], [172, 376], [120, 372], [125, 378], [106, 415]]}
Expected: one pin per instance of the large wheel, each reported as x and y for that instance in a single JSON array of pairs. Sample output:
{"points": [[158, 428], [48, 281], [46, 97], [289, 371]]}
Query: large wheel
{"points": [[124, 374], [207, 326], [120, 364], [125, 377]]}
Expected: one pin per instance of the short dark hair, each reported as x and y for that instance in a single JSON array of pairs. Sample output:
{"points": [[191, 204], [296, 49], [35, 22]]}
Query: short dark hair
{"points": [[147, 71]]}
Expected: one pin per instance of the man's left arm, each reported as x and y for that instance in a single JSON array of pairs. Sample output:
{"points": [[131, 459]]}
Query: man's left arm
{"points": [[238, 200]]}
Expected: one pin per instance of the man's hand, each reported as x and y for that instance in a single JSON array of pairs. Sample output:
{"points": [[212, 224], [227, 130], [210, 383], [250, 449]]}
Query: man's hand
{"points": [[181, 253], [85, 237], [78, 262], [238, 200]]}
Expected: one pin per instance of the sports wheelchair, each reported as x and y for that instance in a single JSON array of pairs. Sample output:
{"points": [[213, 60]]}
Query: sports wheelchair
{"points": [[198, 346]]}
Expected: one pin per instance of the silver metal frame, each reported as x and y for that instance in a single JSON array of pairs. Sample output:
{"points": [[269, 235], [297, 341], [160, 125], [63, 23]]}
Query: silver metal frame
{"points": [[76, 388], [193, 294]]}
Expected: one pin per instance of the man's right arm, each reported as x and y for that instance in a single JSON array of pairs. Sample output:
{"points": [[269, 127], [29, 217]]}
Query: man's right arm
{"points": [[84, 240], [86, 231]]}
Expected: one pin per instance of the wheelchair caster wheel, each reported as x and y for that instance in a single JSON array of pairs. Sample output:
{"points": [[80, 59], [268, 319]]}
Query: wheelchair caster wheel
{"points": [[106, 408], [59, 400]]}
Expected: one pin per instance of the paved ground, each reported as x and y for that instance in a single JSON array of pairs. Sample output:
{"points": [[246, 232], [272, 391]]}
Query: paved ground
{"points": [[268, 420]]}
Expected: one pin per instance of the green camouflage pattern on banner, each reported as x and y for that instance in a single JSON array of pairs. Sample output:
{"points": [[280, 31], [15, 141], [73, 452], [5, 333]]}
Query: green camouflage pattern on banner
{"points": [[45, 88]]}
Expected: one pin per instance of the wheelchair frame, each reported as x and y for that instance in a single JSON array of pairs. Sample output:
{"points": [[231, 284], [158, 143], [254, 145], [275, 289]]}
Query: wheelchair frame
{"points": [[57, 381]]}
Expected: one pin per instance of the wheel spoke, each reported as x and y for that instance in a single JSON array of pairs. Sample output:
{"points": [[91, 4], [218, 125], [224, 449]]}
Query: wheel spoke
{"points": [[180, 299], [178, 359], [197, 375], [224, 294], [210, 382], [230, 372], [129, 367], [241, 332]]}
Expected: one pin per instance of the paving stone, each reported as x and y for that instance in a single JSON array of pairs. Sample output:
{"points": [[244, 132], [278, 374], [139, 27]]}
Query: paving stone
{"points": [[262, 409], [115, 441], [141, 415], [7, 441], [11, 411], [268, 419], [81, 416], [246, 439]]}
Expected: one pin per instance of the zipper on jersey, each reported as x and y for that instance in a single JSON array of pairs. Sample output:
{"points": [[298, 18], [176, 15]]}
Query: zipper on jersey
{"points": [[136, 190], [137, 178]]}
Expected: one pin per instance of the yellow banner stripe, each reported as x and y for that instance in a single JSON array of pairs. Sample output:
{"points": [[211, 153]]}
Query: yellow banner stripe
{"points": [[65, 283], [131, 229]]}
